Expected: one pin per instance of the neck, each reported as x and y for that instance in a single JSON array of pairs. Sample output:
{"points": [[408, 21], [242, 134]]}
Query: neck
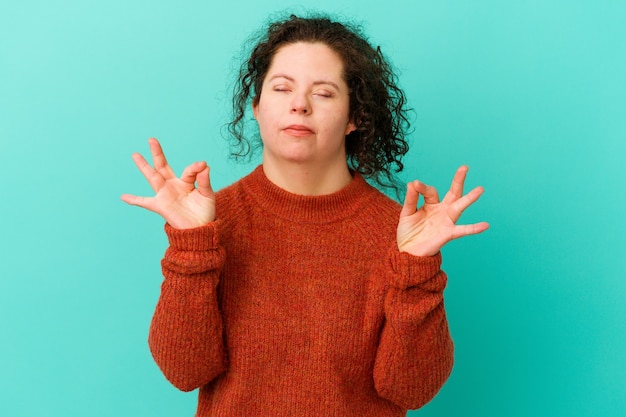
{"points": [[307, 179]]}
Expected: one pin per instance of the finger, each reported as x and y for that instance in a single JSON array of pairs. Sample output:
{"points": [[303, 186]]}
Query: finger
{"points": [[456, 189], [159, 160], [410, 200], [460, 205], [431, 196], [191, 172], [469, 229], [134, 200], [154, 178], [204, 183]]}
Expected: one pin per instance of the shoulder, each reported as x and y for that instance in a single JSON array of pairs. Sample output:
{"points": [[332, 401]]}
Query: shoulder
{"points": [[230, 199], [377, 218], [386, 203], [380, 206], [236, 202]]}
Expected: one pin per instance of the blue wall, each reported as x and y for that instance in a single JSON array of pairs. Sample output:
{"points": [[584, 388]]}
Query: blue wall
{"points": [[530, 94]]}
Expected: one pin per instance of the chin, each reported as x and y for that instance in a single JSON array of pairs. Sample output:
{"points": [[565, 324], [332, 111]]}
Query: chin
{"points": [[297, 159], [299, 156]]}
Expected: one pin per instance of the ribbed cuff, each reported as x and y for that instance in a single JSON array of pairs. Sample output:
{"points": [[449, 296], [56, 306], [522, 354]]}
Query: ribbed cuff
{"points": [[197, 239], [410, 271]]}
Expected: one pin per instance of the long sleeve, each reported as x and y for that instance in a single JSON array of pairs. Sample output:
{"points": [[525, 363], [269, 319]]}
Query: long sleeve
{"points": [[415, 352], [186, 334]]}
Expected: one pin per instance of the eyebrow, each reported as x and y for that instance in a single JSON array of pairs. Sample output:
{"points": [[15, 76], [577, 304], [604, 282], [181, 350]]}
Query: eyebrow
{"points": [[318, 82]]}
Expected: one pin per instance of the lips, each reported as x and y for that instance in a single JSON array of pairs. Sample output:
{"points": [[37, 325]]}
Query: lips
{"points": [[298, 130]]}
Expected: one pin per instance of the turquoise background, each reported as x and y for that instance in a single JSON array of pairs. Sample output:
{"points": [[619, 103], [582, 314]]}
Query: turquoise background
{"points": [[530, 94]]}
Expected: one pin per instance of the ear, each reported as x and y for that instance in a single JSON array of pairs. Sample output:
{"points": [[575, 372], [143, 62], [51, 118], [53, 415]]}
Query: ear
{"points": [[255, 108], [351, 127]]}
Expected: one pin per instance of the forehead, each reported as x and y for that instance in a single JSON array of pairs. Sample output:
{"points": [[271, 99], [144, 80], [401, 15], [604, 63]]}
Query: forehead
{"points": [[307, 59]]}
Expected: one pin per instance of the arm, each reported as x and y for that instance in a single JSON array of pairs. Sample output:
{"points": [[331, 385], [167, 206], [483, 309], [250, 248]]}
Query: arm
{"points": [[186, 333], [415, 352], [186, 336]]}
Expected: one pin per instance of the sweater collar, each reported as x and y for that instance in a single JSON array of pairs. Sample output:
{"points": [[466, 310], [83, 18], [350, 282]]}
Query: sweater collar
{"points": [[310, 209]]}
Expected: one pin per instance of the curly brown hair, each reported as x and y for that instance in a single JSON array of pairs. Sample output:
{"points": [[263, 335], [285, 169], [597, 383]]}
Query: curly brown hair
{"points": [[377, 104]]}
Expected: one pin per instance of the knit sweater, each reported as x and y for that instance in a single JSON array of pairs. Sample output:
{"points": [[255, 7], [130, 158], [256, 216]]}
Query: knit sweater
{"points": [[291, 305]]}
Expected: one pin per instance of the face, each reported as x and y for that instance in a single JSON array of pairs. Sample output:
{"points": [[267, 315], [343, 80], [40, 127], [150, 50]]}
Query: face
{"points": [[303, 109]]}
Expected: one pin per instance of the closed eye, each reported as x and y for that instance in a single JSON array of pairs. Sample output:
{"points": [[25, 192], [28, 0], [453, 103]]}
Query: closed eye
{"points": [[323, 93]]}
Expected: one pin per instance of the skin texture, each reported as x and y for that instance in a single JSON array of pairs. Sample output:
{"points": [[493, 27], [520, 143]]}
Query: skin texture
{"points": [[303, 119]]}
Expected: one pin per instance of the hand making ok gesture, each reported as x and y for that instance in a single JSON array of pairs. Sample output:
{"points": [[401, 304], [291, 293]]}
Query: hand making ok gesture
{"points": [[177, 200], [424, 231]]}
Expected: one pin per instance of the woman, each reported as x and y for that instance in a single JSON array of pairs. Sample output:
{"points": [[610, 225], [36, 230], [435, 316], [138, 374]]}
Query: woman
{"points": [[301, 290]]}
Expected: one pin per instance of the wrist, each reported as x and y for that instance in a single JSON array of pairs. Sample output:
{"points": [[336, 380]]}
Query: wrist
{"points": [[419, 250]]}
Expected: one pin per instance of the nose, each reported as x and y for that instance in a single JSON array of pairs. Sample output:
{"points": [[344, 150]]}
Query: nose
{"points": [[300, 104]]}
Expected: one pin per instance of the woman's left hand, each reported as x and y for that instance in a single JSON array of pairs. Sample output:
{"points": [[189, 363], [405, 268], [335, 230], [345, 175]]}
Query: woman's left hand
{"points": [[424, 231]]}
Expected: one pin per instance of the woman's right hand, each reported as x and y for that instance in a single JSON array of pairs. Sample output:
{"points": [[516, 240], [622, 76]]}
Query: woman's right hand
{"points": [[177, 200]]}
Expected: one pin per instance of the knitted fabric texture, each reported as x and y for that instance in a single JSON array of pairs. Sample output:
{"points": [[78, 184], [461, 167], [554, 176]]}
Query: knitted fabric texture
{"points": [[292, 305]]}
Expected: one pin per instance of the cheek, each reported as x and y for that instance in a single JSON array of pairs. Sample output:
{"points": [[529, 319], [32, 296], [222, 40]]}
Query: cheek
{"points": [[340, 123], [265, 111]]}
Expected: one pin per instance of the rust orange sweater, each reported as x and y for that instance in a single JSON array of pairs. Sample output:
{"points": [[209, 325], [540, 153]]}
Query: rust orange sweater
{"points": [[292, 305]]}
